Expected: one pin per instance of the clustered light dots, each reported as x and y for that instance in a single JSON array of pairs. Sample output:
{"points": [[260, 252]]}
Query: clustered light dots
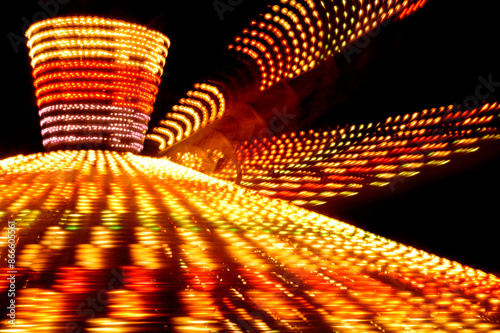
{"points": [[308, 168], [202, 105], [292, 37], [96, 81], [239, 259]]}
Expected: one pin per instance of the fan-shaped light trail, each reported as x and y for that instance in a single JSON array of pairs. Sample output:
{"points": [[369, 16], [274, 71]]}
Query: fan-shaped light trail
{"points": [[289, 39], [309, 168], [198, 253]]}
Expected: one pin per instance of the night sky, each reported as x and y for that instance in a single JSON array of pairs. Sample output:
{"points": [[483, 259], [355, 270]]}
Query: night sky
{"points": [[431, 59]]}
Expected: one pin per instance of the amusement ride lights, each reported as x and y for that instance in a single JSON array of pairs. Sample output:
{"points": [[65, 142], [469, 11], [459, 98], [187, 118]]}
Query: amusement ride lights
{"points": [[96, 80], [291, 38], [163, 247], [308, 168]]}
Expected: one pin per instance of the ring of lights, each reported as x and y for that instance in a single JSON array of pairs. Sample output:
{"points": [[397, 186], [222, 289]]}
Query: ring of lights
{"points": [[96, 81]]}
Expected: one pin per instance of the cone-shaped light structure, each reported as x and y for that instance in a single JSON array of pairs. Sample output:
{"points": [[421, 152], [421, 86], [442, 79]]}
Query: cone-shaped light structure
{"points": [[96, 80]]}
